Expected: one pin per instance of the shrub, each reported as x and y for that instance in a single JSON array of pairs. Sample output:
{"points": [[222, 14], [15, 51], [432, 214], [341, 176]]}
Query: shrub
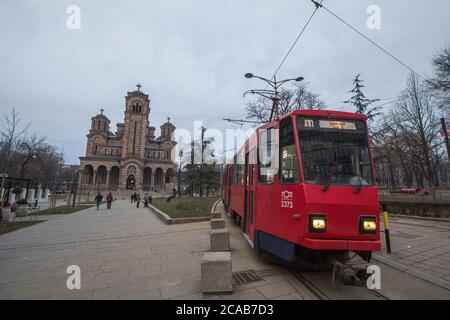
{"points": [[17, 190], [22, 202]]}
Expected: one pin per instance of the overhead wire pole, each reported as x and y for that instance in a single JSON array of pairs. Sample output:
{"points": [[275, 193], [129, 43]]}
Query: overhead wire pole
{"points": [[446, 139], [238, 121]]}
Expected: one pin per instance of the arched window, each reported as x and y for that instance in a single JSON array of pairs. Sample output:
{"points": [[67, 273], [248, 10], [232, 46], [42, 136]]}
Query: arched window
{"points": [[137, 108]]}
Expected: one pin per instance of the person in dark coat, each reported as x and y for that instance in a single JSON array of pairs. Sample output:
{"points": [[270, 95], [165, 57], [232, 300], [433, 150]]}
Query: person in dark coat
{"points": [[138, 200], [98, 200]]}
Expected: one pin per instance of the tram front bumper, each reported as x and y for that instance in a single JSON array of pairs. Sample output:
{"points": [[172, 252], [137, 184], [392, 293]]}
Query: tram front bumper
{"points": [[331, 244]]}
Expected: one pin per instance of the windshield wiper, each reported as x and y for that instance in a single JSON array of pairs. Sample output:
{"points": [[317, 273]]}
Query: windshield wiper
{"points": [[358, 185], [326, 185]]}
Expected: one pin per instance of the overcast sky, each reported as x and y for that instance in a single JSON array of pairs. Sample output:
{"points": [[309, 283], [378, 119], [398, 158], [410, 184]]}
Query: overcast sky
{"points": [[191, 55]]}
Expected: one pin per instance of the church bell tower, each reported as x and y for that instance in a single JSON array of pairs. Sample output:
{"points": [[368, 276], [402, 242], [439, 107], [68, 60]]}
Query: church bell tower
{"points": [[136, 124]]}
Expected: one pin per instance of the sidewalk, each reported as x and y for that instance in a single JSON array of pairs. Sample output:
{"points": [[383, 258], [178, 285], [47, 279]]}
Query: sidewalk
{"points": [[125, 253], [420, 248]]}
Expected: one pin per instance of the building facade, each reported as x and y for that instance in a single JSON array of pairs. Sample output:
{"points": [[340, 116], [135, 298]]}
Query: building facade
{"points": [[132, 158]]}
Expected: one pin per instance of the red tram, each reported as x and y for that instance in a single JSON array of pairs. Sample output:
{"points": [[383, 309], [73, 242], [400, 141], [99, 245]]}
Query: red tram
{"points": [[320, 198]]}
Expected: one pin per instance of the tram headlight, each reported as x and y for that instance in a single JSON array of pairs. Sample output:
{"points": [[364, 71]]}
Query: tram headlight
{"points": [[317, 223], [367, 225], [370, 225]]}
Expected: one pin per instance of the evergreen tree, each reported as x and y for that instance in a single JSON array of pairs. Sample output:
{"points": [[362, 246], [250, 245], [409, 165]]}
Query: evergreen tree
{"points": [[361, 102]]}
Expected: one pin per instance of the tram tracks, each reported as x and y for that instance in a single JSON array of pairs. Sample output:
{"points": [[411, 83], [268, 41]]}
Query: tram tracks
{"points": [[313, 289], [322, 290]]}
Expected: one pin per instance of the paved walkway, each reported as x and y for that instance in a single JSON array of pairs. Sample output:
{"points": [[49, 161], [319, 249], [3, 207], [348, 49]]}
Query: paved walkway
{"points": [[129, 253], [124, 253], [419, 247]]}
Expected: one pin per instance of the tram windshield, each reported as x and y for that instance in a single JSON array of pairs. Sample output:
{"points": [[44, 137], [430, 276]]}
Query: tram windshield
{"points": [[334, 151]]}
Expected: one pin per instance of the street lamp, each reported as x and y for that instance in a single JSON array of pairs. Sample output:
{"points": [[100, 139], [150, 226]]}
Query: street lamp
{"points": [[270, 94], [75, 186], [180, 167]]}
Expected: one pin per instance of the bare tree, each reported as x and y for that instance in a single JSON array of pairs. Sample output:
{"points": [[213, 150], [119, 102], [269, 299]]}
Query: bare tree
{"points": [[416, 127], [300, 97], [440, 84], [10, 133], [29, 149]]}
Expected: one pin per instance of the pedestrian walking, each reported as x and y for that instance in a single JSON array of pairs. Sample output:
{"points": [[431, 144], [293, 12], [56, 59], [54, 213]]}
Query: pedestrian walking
{"points": [[146, 201], [132, 198], [98, 200], [138, 200], [109, 200], [150, 199]]}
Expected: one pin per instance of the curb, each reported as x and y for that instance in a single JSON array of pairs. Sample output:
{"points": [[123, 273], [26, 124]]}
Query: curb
{"points": [[168, 220], [393, 215], [418, 274]]}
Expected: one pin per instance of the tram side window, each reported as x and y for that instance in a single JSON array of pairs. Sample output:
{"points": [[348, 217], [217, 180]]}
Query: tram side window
{"points": [[266, 149], [290, 172], [234, 171], [238, 173]]}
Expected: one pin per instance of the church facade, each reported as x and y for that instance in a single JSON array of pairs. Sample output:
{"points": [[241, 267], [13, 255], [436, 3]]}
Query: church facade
{"points": [[132, 158]]}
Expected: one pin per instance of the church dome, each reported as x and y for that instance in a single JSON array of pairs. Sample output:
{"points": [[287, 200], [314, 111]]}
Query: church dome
{"points": [[100, 116], [100, 122]]}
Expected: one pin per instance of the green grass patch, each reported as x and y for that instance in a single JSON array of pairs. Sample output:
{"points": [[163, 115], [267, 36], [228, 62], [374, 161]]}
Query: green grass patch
{"points": [[13, 226], [186, 207], [63, 210]]}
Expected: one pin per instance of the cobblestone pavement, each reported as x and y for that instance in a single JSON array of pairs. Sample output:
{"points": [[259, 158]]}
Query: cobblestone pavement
{"points": [[124, 253], [419, 247]]}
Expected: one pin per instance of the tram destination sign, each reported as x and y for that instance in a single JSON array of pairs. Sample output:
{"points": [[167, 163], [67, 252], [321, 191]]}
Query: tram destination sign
{"points": [[334, 124]]}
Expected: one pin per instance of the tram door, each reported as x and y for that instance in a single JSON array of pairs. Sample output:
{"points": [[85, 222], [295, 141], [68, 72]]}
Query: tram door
{"points": [[248, 225], [229, 181]]}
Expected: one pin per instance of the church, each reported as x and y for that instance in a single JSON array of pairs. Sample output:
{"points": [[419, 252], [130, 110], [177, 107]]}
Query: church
{"points": [[132, 158]]}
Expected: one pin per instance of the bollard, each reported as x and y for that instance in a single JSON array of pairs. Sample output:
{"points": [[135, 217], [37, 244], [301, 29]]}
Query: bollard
{"points": [[216, 273], [220, 240], [217, 223], [386, 229]]}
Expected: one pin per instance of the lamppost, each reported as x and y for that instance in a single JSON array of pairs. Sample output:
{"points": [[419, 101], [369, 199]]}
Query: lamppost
{"points": [[180, 167], [75, 186], [270, 94]]}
